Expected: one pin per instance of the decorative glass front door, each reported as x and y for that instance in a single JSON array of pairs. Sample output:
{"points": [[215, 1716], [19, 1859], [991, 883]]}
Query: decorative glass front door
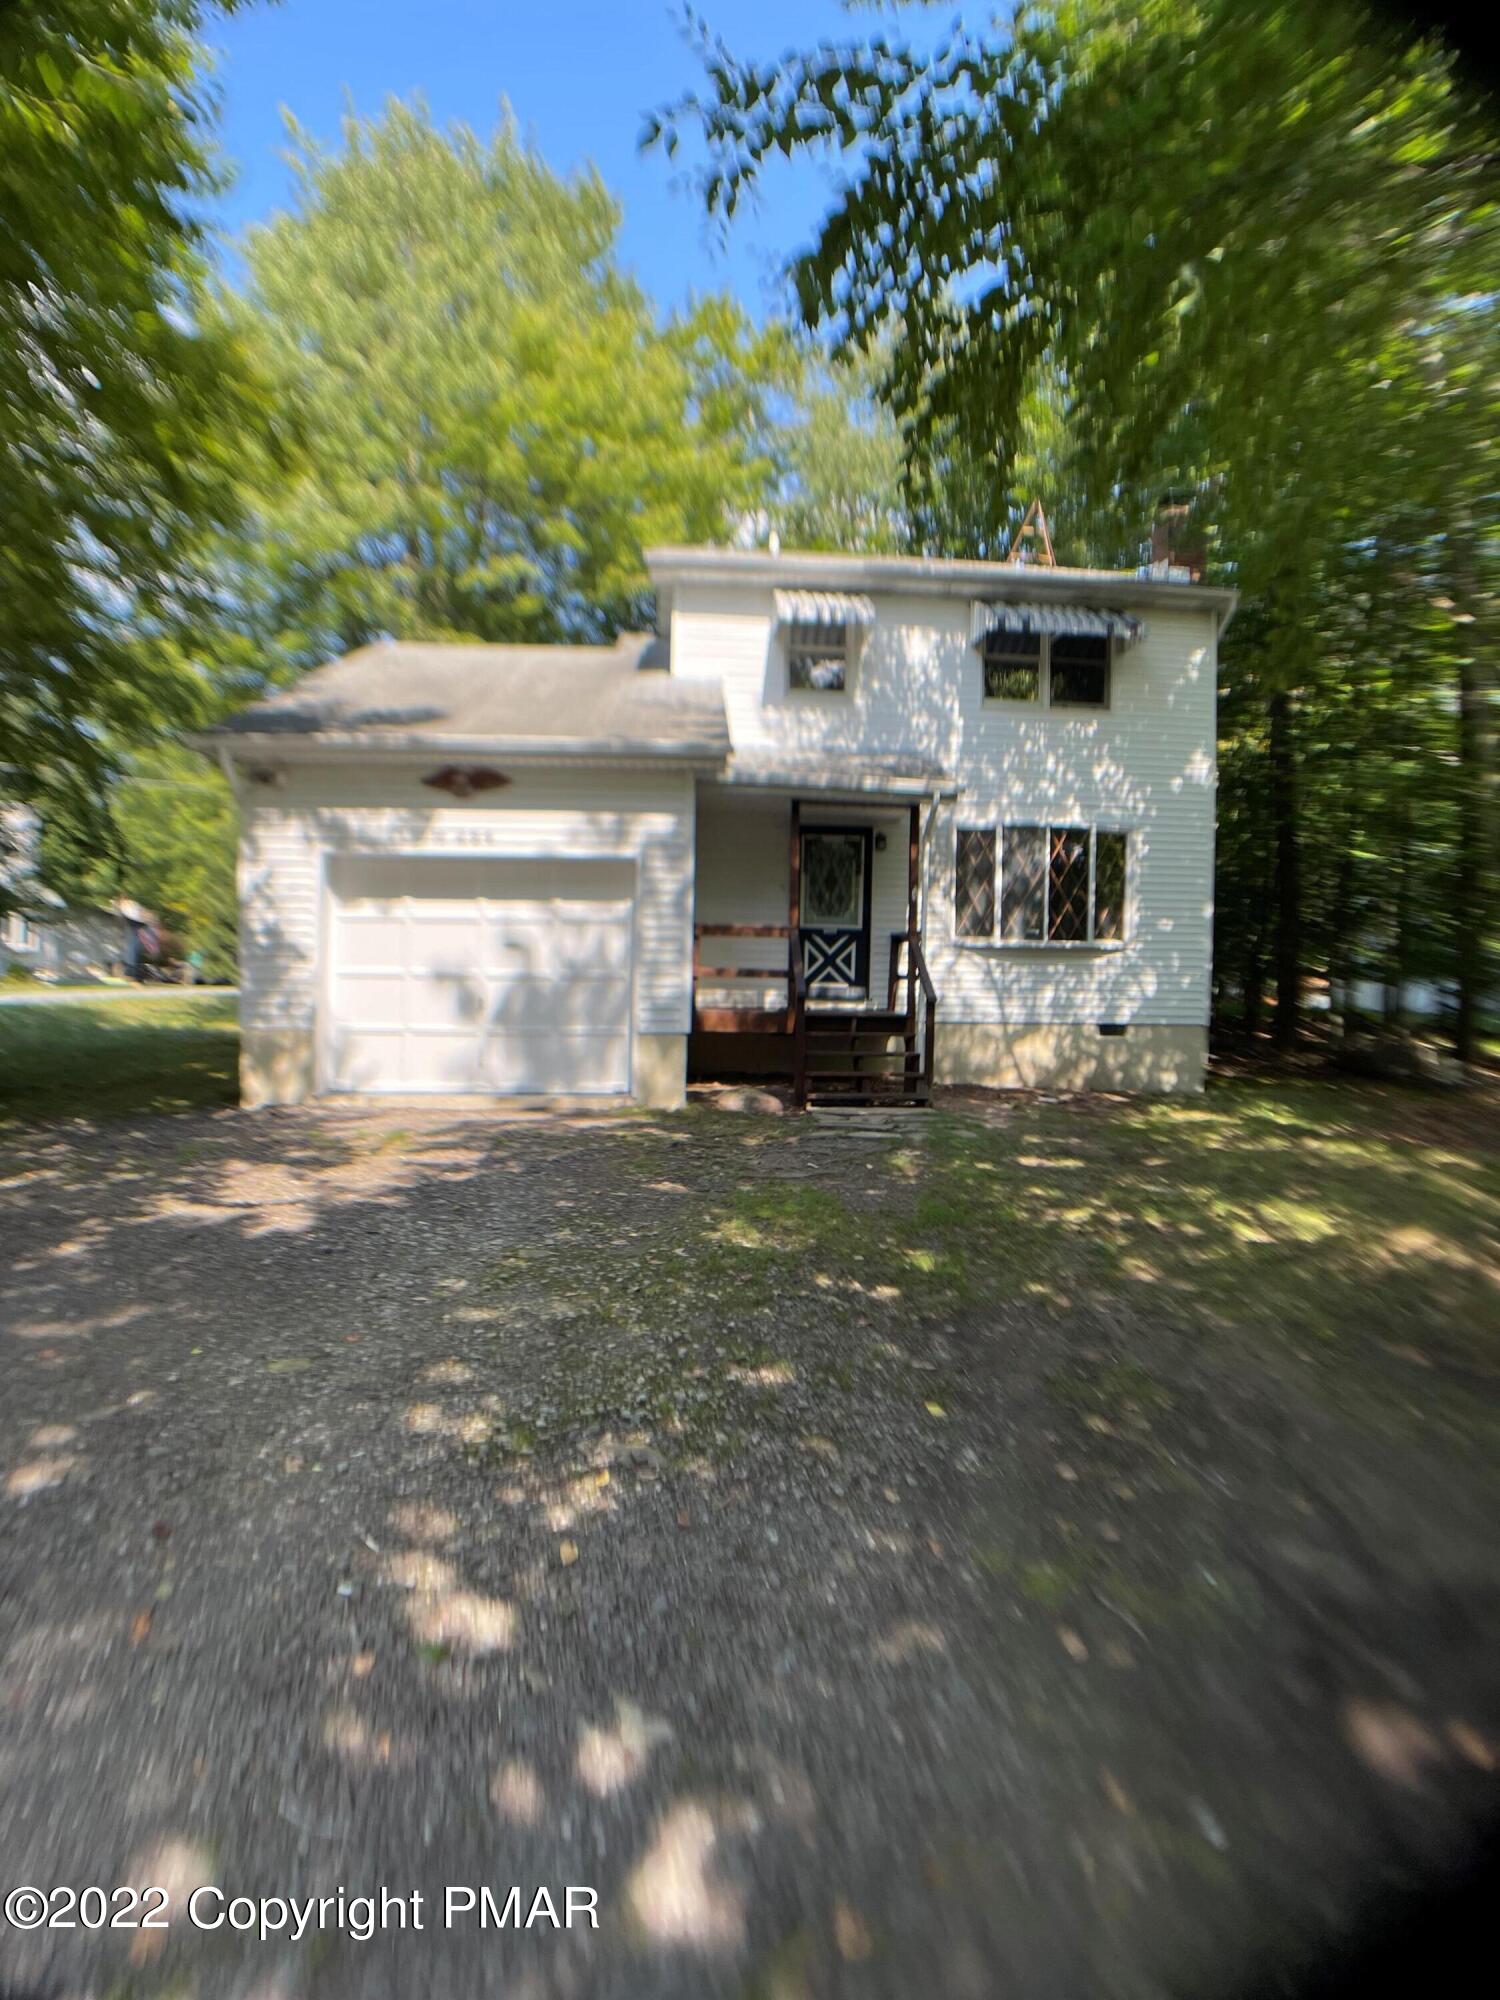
{"points": [[836, 910]]}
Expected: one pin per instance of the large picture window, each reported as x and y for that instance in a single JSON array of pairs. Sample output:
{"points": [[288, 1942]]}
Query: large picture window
{"points": [[1056, 884]]}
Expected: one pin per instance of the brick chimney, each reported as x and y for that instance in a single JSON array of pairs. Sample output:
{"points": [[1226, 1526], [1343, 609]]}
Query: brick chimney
{"points": [[1177, 546]]}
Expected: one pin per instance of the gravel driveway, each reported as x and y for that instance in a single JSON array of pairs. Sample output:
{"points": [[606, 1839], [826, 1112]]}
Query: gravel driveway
{"points": [[398, 1502]]}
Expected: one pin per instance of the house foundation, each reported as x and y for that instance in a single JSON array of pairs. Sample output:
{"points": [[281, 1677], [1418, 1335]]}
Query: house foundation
{"points": [[1154, 1058]]}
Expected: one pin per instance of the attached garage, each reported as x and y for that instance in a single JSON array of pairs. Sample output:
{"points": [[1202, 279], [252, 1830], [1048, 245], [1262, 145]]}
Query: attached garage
{"points": [[487, 975], [468, 870]]}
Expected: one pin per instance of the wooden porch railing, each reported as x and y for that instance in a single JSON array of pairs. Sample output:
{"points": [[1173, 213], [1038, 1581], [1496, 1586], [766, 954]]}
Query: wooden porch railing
{"points": [[851, 1058], [746, 1020], [918, 975], [797, 985]]}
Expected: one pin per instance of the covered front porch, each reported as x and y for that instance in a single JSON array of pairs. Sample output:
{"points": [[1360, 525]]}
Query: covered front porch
{"points": [[808, 964]]}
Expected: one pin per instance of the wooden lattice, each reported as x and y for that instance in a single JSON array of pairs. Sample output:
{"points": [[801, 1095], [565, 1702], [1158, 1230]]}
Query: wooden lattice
{"points": [[1068, 886], [974, 898]]}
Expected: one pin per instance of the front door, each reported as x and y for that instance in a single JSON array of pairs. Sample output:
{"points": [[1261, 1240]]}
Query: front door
{"points": [[836, 911]]}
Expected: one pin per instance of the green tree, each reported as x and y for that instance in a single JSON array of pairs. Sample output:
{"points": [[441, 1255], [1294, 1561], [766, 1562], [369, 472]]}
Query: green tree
{"points": [[169, 838], [495, 421], [1253, 252], [842, 461], [126, 413]]}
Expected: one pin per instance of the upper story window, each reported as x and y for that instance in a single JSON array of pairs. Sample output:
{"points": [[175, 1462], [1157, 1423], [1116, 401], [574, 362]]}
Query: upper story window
{"points": [[1012, 666], [820, 630], [1079, 671], [1056, 655], [817, 657], [17, 932]]}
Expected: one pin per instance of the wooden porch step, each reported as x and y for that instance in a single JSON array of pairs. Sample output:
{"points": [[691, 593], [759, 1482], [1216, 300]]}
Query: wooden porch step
{"points": [[859, 1020], [855, 1106], [855, 1037], [888, 1062]]}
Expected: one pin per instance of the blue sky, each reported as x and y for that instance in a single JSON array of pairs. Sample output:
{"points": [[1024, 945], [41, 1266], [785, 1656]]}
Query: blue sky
{"points": [[579, 75]]}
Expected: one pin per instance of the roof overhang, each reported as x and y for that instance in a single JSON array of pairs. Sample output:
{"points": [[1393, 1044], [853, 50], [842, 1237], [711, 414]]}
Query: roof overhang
{"points": [[932, 576], [316, 747], [836, 779]]}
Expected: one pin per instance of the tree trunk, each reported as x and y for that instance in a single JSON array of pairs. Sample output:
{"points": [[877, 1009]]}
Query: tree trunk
{"points": [[1471, 911], [1287, 887], [1340, 952], [1400, 939], [1478, 863], [1254, 984]]}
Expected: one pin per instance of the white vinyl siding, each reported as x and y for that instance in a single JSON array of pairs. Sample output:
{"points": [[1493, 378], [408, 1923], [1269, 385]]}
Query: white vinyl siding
{"points": [[1143, 766]]}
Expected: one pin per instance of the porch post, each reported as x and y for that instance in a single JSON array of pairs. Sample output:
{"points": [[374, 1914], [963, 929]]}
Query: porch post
{"points": [[794, 956], [913, 853], [794, 870]]}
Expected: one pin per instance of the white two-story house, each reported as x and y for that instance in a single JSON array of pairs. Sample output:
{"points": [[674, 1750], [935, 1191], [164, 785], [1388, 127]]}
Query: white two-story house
{"points": [[859, 823]]}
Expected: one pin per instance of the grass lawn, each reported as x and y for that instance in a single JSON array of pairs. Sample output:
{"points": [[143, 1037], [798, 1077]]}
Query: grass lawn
{"points": [[114, 1058], [1349, 1232]]}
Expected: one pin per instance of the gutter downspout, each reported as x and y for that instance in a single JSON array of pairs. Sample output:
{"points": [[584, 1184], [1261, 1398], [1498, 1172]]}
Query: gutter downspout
{"points": [[934, 801]]}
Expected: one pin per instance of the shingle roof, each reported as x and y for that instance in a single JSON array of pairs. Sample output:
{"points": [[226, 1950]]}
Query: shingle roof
{"points": [[594, 700]]}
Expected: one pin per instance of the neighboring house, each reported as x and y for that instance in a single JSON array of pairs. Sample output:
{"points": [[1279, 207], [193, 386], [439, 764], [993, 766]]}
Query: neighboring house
{"points": [[42, 933], [841, 818]]}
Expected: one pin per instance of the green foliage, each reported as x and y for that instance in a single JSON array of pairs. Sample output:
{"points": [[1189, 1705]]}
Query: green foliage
{"points": [[172, 831], [126, 413], [495, 422], [1122, 245], [842, 460]]}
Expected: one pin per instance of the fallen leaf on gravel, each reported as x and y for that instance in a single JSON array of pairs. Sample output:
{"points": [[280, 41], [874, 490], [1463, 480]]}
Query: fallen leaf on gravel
{"points": [[291, 1365], [935, 1409], [161, 1530], [1468, 1742], [363, 1664], [1115, 1792], [682, 1518], [1396, 1744], [1065, 1472], [567, 1553], [1072, 1644], [850, 1932], [140, 1626]]}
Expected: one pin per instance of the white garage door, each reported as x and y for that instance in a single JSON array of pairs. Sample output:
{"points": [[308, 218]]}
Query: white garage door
{"points": [[505, 977]]}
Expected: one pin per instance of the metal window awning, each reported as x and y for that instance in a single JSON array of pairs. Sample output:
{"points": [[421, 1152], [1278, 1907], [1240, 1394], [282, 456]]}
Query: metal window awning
{"points": [[1073, 621], [823, 607]]}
